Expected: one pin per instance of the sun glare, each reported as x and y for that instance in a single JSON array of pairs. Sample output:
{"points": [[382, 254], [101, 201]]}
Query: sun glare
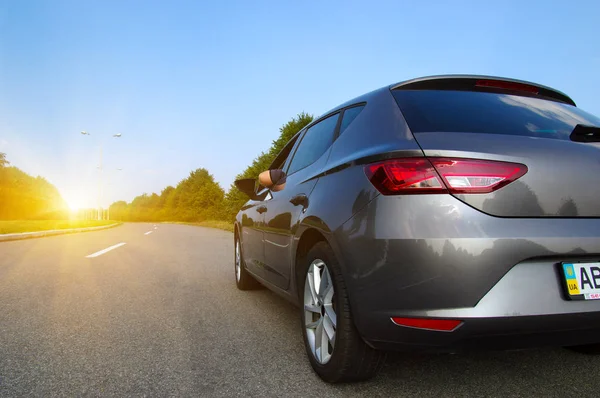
{"points": [[74, 202]]}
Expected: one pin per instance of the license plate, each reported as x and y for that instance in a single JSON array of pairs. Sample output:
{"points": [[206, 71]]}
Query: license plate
{"points": [[582, 280]]}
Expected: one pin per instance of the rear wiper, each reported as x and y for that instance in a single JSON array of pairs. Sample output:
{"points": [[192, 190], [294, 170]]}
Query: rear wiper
{"points": [[583, 133]]}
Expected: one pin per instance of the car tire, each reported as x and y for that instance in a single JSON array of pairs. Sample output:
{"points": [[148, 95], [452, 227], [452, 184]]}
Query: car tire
{"points": [[351, 359], [243, 279], [588, 349]]}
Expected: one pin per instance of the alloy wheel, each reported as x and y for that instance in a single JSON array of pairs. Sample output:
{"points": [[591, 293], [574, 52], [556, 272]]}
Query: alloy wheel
{"points": [[238, 261], [319, 311]]}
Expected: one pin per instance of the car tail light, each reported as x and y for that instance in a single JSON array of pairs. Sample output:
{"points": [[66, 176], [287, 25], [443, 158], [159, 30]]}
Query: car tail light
{"points": [[441, 175], [512, 86], [405, 176], [477, 176], [440, 325]]}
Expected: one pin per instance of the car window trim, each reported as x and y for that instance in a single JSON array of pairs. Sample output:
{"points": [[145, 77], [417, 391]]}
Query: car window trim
{"points": [[343, 111], [295, 149], [288, 161], [297, 139], [292, 141], [336, 129], [300, 135]]}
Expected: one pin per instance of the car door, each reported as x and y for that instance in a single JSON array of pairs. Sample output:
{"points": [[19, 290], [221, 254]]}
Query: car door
{"points": [[286, 206], [252, 236], [253, 216]]}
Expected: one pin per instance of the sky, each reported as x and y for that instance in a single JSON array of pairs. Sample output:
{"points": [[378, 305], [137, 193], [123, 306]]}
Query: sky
{"points": [[192, 84]]}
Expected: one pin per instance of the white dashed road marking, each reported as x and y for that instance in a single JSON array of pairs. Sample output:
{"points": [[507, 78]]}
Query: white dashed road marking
{"points": [[101, 252]]}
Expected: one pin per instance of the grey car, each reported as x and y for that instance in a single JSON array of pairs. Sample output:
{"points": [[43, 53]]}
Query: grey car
{"points": [[443, 213]]}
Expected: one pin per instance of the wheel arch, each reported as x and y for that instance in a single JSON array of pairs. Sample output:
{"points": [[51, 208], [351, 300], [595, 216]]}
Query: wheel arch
{"points": [[308, 238], [308, 235], [236, 230]]}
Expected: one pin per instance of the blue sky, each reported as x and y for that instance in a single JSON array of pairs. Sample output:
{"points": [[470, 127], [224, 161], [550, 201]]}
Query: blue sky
{"points": [[194, 84]]}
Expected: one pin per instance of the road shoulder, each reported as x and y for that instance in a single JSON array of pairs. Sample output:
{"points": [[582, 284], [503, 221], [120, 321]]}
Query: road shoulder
{"points": [[41, 234]]}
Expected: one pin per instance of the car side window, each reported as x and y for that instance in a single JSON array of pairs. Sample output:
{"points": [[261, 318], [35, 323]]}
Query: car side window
{"points": [[315, 142], [280, 162], [349, 115], [286, 165], [284, 156]]}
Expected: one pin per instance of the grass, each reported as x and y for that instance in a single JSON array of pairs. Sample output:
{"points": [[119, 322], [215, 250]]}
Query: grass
{"points": [[16, 226], [224, 225]]}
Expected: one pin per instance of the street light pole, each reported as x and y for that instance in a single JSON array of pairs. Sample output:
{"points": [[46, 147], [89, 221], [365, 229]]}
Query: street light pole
{"points": [[100, 212], [100, 185], [108, 208]]}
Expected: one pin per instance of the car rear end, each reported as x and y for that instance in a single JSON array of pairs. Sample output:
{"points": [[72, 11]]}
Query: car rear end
{"points": [[489, 238]]}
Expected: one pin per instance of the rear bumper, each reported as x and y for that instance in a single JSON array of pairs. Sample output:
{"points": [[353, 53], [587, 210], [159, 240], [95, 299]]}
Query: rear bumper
{"points": [[434, 256], [505, 333], [526, 308]]}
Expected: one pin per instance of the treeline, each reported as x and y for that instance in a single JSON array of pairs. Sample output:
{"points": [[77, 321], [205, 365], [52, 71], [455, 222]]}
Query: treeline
{"points": [[199, 197], [25, 197], [196, 198]]}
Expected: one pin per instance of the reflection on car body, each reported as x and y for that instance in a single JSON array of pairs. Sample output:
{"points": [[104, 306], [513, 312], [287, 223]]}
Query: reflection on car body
{"points": [[437, 214]]}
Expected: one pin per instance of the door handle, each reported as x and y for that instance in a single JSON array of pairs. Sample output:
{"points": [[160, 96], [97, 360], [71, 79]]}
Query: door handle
{"points": [[261, 209], [300, 200]]}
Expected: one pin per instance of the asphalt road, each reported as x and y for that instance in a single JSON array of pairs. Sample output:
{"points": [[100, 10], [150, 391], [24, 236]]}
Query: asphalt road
{"points": [[161, 316]]}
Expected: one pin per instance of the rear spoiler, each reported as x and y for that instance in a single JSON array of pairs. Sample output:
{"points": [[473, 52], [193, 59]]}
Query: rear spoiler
{"points": [[484, 83]]}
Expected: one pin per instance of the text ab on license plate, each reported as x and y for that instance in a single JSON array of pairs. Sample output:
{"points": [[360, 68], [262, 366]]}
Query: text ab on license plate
{"points": [[583, 280]]}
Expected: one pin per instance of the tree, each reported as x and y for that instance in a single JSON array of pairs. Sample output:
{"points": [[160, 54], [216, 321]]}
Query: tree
{"points": [[3, 161], [199, 197], [119, 211], [196, 198], [25, 197]]}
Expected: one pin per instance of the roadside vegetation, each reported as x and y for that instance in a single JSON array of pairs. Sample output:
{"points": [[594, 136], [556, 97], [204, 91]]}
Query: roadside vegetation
{"points": [[30, 204], [218, 224], [25, 197], [17, 226], [199, 199]]}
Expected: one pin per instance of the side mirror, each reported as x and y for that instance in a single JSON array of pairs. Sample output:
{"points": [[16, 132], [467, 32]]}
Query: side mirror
{"points": [[273, 179], [247, 186]]}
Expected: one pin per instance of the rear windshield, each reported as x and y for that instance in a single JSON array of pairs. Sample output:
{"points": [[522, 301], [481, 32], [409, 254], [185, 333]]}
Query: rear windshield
{"points": [[489, 113]]}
